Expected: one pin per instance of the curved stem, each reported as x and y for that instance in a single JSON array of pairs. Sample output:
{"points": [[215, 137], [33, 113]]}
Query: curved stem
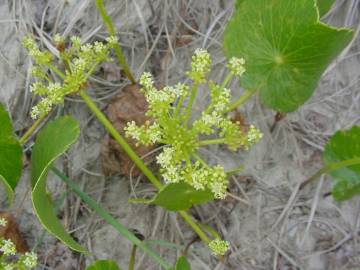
{"points": [[31, 130], [56, 70], [191, 101], [137, 160], [132, 258], [329, 168], [119, 54], [195, 226], [116, 135], [110, 219], [226, 80], [211, 141], [241, 100]]}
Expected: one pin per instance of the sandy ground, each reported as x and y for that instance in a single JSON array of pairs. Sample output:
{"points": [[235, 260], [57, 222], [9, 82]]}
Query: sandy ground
{"points": [[273, 226]]}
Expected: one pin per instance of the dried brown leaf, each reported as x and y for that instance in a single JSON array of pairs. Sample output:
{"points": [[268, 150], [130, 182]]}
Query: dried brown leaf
{"points": [[129, 105], [11, 231]]}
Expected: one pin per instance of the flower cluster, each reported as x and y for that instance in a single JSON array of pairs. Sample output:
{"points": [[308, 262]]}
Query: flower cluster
{"points": [[179, 160], [79, 63], [25, 261], [236, 66], [200, 65], [3, 222], [219, 247]]}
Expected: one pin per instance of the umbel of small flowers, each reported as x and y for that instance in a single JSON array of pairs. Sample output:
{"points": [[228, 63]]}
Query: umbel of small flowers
{"points": [[179, 160], [8, 249], [79, 62]]}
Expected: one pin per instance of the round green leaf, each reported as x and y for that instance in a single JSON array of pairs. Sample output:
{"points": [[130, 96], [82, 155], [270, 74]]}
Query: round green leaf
{"points": [[342, 146], [103, 265], [52, 141], [181, 196], [10, 155], [285, 46], [182, 264], [324, 6]]}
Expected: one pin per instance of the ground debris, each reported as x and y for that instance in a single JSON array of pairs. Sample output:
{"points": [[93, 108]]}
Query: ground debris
{"points": [[11, 231], [129, 105]]}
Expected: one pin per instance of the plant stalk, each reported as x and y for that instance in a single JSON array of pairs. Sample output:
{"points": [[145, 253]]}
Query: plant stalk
{"points": [[191, 101], [118, 51], [137, 160], [31, 130], [195, 227], [132, 258], [329, 168], [109, 219], [211, 141], [116, 135], [241, 100]]}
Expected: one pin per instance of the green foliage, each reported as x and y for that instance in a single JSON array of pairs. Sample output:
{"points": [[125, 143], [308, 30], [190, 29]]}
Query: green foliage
{"points": [[182, 264], [324, 6], [181, 196], [80, 61], [120, 228], [10, 155], [103, 265], [179, 160], [52, 141], [285, 46], [343, 146]]}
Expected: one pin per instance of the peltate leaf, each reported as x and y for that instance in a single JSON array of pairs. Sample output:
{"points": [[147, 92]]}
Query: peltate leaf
{"points": [[103, 265], [324, 6], [181, 196], [10, 155], [182, 264], [285, 46], [342, 146], [52, 141]]}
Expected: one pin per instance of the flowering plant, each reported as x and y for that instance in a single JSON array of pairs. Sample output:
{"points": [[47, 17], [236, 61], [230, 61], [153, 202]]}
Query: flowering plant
{"points": [[26, 261], [179, 160]]}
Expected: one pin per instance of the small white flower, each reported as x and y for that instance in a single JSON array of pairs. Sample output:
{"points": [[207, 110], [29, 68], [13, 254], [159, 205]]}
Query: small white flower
{"points": [[9, 266], [76, 41], [236, 66], [3, 222], [146, 80], [112, 40], [200, 65], [164, 159], [132, 130], [58, 39], [219, 247], [30, 259], [7, 247], [253, 135]]}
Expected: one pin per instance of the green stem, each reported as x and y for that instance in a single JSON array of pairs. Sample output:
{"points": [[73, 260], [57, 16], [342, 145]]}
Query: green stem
{"points": [[241, 100], [31, 130], [134, 157], [227, 80], [132, 258], [329, 168], [211, 141], [195, 227], [115, 134], [178, 105], [191, 101], [200, 159], [56, 70], [119, 54], [109, 219]]}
